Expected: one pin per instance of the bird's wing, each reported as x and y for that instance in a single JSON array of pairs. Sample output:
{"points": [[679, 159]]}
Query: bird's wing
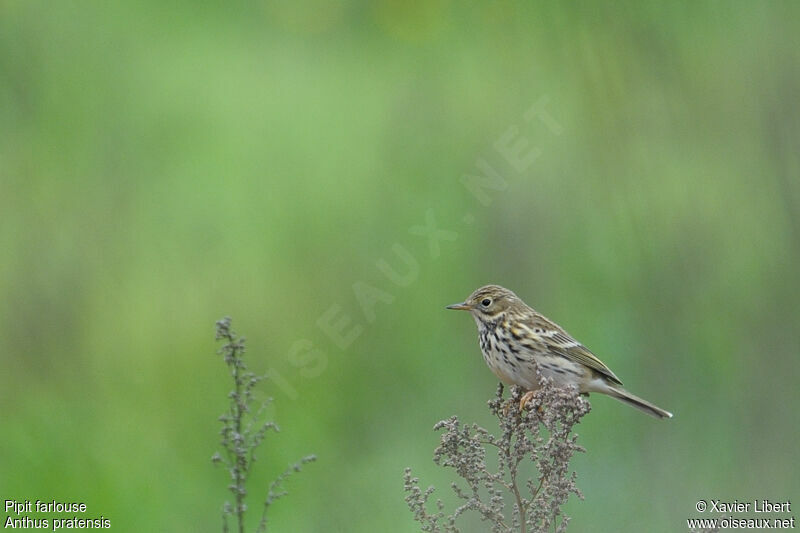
{"points": [[561, 343]]}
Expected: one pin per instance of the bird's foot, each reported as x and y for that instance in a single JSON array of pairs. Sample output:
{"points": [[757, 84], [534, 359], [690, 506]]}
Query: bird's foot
{"points": [[523, 402]]}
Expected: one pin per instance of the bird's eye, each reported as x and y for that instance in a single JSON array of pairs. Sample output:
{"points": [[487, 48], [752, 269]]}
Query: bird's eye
{"points": [[485, 302]]}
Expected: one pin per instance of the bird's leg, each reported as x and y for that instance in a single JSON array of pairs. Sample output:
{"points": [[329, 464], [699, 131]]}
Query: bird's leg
{"points": [[511, 401], [507, 406]]}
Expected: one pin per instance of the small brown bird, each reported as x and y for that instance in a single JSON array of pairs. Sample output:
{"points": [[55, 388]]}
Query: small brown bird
{"points": [[516, 340]]}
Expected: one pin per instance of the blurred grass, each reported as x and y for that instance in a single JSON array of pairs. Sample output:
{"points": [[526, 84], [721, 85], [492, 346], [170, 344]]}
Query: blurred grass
{"points": [[164, 165]]}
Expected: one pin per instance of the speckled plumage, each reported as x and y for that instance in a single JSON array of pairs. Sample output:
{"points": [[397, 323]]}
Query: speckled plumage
{"points": [[515, 340]]}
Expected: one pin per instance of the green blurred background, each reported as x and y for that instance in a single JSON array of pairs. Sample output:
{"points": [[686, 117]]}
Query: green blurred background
{"points": [[165, 164]]}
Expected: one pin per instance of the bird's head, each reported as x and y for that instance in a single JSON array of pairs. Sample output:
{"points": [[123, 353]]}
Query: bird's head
{"points": [[488, 303]]}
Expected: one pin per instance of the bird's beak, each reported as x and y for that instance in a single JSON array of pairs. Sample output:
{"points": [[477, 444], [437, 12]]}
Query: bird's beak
{"points": [[463, 306]]}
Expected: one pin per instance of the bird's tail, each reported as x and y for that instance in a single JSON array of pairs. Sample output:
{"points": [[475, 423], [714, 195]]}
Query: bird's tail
{"points": [[640, 404]]}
